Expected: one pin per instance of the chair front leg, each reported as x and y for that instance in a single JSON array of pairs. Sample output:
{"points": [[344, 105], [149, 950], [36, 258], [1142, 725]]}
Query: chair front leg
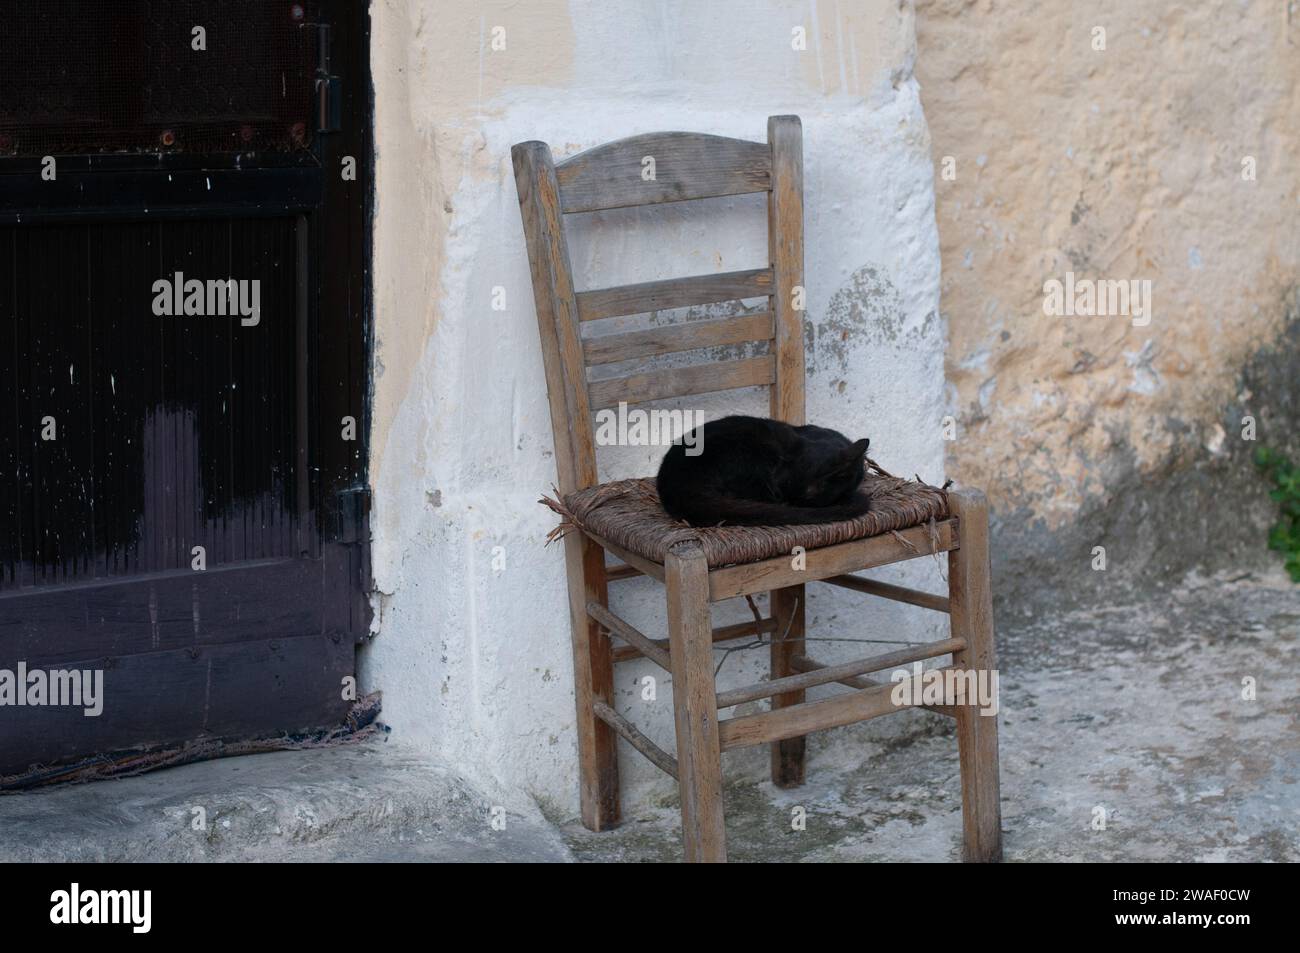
{"points": [[971, 603], [787, 642], [593, 678], [695, 704]]}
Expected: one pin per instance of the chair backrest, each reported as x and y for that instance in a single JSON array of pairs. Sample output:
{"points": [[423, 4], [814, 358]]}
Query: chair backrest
{"points": [[687, 166]]}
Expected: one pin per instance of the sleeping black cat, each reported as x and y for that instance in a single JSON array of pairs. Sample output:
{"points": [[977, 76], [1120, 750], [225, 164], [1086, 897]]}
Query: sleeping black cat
{"points": [[757, 472]]}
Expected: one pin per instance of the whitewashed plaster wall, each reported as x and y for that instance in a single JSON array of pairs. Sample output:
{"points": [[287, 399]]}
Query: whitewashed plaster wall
{"points": [[473, 658]]}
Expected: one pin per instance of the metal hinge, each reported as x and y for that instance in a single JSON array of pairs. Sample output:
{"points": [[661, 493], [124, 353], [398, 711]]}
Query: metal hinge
{"points": [[354, 514]]}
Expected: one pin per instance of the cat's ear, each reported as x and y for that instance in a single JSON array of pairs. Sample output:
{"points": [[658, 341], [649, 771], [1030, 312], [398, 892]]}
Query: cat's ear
{"points": [[858, 450]]}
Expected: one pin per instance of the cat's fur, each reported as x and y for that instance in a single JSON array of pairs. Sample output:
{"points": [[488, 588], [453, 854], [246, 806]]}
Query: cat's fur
{"points": [[758, 472]]}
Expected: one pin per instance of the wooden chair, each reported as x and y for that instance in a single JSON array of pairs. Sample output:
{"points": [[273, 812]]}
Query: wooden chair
{"points": [[697, 566]]}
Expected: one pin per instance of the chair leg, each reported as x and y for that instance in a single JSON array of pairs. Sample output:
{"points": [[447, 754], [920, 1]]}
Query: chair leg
{"points": [[695, 704], [971, 602], [593, 677], [787, 642]]}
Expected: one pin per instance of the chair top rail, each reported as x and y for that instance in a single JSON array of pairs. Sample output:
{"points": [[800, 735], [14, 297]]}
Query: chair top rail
{"points": [[662, 167]]}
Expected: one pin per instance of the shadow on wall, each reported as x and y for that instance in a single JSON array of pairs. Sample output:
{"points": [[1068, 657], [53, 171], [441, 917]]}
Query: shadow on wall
{"points": [[1205, 509]]}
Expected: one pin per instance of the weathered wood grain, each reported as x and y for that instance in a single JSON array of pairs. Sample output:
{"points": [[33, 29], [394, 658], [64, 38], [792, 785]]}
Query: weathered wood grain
{"points": [[971, 599], [687, 165], [813, 716], [699, 758], [722, 633], [160, 699], [831, 561], [637, 739], [557, 315], [683, 381], [887, 590], [802, 663], [673, 338], [673, 293], [833, 673], [788, 755], [593, 681], [785, 248], [628, 633], [575, 457]]}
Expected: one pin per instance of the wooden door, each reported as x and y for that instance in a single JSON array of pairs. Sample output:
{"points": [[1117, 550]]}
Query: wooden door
{"points": [[182, 495]]}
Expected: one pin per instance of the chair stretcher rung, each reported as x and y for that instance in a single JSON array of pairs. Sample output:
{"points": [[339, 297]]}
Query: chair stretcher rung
{"points": [[621, 571], [802, 663], [633, 736], [723, 633], [627, 633], [886, 590], [798, 720], [833, 673]]}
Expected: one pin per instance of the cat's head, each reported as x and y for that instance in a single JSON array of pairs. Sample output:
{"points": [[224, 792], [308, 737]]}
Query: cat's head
{"points": [[836, 478]]}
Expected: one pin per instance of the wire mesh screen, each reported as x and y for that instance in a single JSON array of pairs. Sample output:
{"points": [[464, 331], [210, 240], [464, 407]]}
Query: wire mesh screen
{"points": [[149, 76]]}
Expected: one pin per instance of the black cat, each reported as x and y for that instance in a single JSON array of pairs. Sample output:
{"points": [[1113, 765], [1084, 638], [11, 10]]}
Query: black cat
{"points": [[757, 472]]}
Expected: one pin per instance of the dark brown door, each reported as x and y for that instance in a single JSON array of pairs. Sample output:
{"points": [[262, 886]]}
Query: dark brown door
{"points": [[184, 198]]}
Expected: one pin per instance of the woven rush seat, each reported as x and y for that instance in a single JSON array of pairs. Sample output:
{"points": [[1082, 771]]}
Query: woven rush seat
{"points": [[628, 513]]}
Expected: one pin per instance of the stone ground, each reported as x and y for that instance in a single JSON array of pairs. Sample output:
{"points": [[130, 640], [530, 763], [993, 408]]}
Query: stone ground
{"points": [[368, 801], [1136, 709]]}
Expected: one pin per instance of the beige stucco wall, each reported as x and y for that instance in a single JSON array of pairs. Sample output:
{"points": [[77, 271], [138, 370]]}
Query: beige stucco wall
{"points": [[1122, 163]]}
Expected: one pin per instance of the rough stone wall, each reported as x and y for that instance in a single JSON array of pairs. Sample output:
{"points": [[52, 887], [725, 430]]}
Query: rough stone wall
{"points": [[471, 647], [1169, 156]]}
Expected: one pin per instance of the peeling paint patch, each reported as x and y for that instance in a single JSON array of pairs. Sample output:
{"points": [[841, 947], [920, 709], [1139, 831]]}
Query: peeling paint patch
{"points": [[866, 310]]}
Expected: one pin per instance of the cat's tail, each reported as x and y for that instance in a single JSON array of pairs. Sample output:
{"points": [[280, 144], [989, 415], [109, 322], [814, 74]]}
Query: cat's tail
{"points": [[715, 510]]}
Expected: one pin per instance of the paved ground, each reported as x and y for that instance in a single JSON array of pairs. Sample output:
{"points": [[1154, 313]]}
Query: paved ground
{"points": [[367, 801], [1134, 710]]}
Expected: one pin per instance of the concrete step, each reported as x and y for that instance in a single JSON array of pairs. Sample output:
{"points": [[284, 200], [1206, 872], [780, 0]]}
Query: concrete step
{"points": [[368, 801]]}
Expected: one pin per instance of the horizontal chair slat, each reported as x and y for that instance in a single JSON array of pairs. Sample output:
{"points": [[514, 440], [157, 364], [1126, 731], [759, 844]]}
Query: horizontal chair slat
{"points": [[610, 348], [633, 736], [802, 663], [886, 590], [834, 560], [673, 293], [833, 673], [683, 381], [801, 719], [687, 165]]}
